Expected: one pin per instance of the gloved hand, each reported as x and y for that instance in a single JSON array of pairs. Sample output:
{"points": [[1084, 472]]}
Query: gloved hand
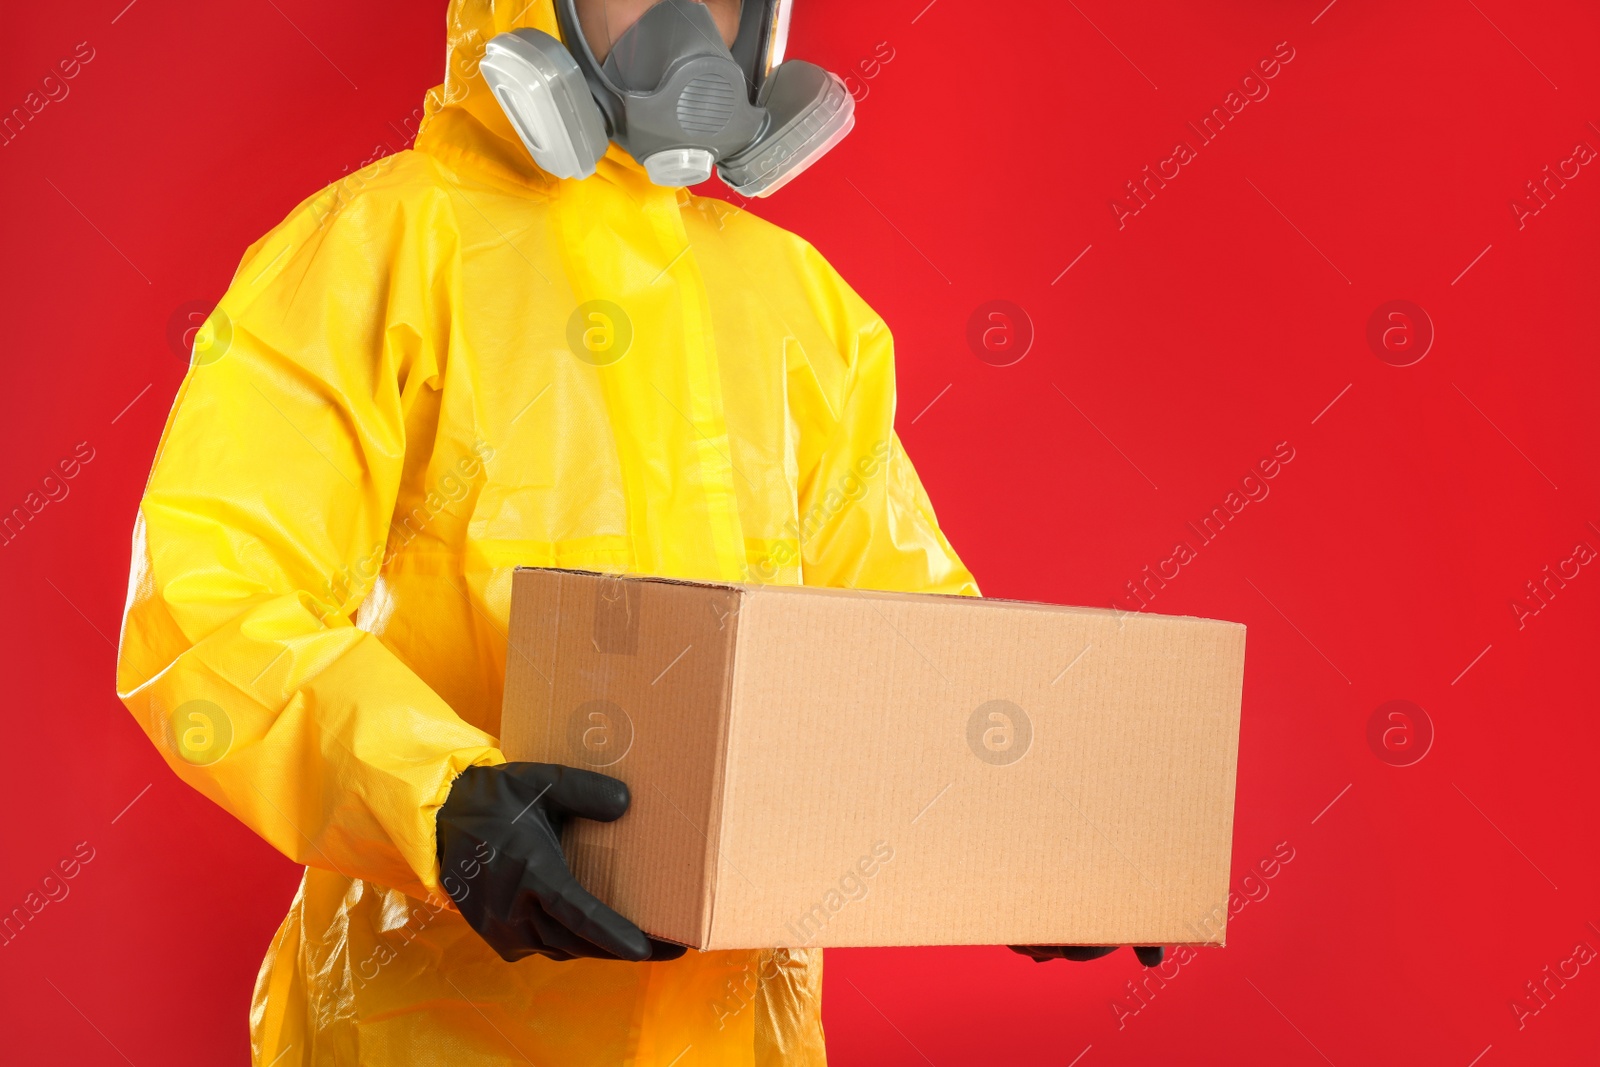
{"points": [[500, 860], [1149, 955]]}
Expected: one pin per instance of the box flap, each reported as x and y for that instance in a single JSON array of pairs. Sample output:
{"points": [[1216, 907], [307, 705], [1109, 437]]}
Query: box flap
{"points": [[629, 678]]}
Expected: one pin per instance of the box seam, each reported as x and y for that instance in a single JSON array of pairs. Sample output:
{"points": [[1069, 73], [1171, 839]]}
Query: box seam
{"points": [[720, 762]]}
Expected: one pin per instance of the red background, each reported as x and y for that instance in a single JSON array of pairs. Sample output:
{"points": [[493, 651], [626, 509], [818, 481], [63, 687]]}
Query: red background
{"points": [[1222, 319]]}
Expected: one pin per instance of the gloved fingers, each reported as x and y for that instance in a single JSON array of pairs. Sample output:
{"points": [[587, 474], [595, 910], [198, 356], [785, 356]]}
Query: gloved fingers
{"points": [[553, 936], [574, 907], [1041, 953], [541, 936], [1080, 953], [572, 791], [665, 950], [558, 942], [517, 941], [1149, 955]]}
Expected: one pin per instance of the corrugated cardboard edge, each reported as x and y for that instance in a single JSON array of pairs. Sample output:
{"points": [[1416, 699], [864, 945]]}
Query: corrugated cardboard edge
{"points": [[517, 680], [712, 831], [720, 797], [1233, 780], [719, 784]]}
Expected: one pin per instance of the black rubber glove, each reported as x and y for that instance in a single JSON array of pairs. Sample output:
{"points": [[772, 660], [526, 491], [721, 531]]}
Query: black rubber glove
{"points": [[1149, 955], [500, 860]]}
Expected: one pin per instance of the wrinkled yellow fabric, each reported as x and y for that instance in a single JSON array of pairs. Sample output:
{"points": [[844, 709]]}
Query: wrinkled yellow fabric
{"points": [[388, 418]]}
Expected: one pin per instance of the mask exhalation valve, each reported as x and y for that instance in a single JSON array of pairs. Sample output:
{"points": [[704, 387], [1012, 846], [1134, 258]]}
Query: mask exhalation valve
{"points": [[673, 95], [680, 166]]}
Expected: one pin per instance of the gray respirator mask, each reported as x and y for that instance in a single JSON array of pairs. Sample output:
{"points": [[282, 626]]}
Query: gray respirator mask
{"points": [[673, 95]]}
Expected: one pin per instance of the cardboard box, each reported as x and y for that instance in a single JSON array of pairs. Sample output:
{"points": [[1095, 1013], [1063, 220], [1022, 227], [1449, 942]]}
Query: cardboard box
{"points": [[836, 767]]}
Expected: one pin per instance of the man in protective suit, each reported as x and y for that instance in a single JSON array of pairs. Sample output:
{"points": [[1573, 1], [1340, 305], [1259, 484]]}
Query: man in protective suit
{"points": [[452, 364]]}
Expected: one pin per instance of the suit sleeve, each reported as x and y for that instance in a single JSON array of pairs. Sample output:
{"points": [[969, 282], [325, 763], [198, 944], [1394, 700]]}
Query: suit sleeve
{"points": [[865, 519], [258, 536]]}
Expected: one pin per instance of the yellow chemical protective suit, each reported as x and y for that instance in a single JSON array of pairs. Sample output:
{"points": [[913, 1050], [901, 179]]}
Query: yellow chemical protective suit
{"points": [[408, 391]]}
